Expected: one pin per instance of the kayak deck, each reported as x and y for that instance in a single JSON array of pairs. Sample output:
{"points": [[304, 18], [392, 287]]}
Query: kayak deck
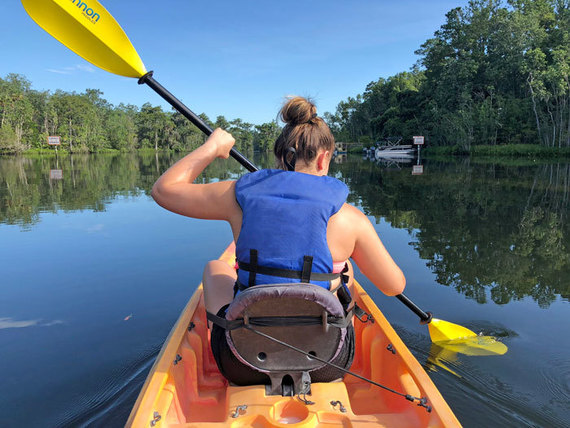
{"points": [[185, 388]]}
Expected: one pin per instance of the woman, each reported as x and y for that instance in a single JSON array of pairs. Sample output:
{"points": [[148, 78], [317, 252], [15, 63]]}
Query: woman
{"points": [[286, 223]]}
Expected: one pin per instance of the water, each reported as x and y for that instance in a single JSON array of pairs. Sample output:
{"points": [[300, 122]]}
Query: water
{"points": [[94, 274]]}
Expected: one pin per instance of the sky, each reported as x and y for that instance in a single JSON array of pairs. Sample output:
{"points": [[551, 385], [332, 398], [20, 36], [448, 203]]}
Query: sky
{"points": [[239, 59]]}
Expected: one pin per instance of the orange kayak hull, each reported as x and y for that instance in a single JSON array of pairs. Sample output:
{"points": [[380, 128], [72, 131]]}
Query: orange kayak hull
{"points": [[185, 389]]}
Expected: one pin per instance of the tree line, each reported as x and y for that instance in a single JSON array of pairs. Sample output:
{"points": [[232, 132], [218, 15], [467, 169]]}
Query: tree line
{"points": [[496, 72], [86, 122]]}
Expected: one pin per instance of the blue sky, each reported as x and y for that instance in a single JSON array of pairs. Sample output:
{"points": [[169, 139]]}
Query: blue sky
{"points": [[235, 58]]}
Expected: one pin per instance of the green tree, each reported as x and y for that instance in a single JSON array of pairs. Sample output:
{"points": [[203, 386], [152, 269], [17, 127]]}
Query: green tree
{"points": [[495, 72], [121, 127], [265, 135], [16, 113], [154, 127]]}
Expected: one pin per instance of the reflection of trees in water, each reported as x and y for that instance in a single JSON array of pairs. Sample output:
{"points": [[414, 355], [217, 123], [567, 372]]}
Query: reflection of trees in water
{"points": [[26, 188], [89, 181], [486, 229]]}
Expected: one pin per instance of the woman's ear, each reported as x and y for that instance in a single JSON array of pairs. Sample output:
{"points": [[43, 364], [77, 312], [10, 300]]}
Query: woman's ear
{"points": [[323, 160]]}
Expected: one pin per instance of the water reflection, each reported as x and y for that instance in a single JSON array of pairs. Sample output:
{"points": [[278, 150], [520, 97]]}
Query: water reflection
{"points": [[29, 186], [491, 231]]}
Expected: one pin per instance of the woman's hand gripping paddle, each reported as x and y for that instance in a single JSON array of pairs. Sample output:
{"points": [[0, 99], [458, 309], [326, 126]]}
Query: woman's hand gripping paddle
{"points": [[90, 31]]}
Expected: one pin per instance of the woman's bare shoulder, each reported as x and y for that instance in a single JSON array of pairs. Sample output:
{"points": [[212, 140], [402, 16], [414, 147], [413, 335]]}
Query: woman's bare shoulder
{"points": [[351, 216], [343, 231]]}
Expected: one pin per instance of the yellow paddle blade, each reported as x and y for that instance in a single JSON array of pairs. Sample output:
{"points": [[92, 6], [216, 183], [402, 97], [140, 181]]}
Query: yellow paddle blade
{"points": [[474, 346], [454, 338], [441, 331], [85, 27]]}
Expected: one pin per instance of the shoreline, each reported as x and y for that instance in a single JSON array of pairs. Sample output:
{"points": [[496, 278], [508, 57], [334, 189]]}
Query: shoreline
{"points": [[506, 151]]}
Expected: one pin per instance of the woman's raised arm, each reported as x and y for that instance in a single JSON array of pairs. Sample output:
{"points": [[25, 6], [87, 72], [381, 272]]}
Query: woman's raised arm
{"points": [[176, 191]]}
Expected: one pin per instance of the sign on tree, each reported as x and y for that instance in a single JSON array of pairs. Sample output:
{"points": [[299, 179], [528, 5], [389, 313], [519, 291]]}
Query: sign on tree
{"points": [[54, 141]]}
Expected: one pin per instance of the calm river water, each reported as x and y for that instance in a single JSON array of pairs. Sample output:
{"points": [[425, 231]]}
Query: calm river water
{"points": [[93, 274]]}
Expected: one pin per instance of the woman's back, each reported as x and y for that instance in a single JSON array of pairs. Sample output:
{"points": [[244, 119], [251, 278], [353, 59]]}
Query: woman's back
{"points": [[304, 146]]}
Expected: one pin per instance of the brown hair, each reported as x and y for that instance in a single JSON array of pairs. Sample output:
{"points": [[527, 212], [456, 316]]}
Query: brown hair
{"points": [[303, 135]]}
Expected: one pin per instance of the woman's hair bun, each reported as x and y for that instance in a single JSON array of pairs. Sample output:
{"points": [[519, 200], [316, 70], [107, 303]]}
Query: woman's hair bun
{"points": [[303, 135], [298, 110]]}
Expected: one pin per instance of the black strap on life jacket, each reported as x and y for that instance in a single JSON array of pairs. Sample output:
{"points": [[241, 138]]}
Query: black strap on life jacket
{"points": [[254, 267], [307, 266], [304, 275]]}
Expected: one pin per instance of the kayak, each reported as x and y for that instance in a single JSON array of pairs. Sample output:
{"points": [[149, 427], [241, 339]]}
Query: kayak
{"points": [[185, 388]]}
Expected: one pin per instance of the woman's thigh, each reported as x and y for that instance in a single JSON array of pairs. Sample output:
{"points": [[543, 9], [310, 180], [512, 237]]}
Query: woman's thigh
{"points": [[218, 280]]}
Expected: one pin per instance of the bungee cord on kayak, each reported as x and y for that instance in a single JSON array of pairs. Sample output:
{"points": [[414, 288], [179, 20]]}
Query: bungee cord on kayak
{"points": [[422, 402]]}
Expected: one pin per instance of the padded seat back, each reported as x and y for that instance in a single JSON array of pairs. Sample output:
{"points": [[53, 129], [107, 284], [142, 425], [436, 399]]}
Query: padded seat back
{"points": [[297, 314]]}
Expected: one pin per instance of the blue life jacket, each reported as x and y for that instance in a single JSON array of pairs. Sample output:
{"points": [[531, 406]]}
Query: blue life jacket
{"points": [[283, 237]]}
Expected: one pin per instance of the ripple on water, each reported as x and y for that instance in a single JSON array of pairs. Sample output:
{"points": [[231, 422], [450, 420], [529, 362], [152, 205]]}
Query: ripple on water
{"points": [[115, 396], [476, 393], [555, 381], [485, 328]]}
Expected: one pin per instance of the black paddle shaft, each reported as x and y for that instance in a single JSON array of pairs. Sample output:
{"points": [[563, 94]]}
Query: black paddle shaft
{"points": [[425, 317], [191, 116]]}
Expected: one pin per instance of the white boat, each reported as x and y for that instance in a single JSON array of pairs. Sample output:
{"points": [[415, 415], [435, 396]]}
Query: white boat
{"points": [[396, 151]]}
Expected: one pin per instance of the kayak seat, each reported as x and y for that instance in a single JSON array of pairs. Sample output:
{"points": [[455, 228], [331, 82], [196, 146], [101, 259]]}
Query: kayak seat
{"points": [[302, 315]]}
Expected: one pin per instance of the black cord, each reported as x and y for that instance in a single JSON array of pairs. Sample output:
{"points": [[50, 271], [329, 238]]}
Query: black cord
{"points": [[422, 401]]}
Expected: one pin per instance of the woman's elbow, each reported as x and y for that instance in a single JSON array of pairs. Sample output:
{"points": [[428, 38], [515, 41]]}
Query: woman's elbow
{"points": [[397, 285], [394, 291], [155, 192], [158, 193]]}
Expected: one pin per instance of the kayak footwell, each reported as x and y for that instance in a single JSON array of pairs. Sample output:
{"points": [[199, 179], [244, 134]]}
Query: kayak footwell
{"points": [[185, 388]]}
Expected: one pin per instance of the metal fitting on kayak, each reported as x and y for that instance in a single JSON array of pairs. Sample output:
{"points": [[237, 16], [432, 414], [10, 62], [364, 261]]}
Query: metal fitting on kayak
{"points": [[239, 410], [340, 406], [156, 417], [362, 315], [422, 402]]}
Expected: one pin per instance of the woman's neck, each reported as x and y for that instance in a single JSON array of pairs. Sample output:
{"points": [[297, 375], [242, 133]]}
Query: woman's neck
{"points": [[311, 168], [308, 170]]}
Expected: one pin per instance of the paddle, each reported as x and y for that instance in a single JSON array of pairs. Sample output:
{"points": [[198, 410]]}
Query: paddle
{"points": [[90, 31]]}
